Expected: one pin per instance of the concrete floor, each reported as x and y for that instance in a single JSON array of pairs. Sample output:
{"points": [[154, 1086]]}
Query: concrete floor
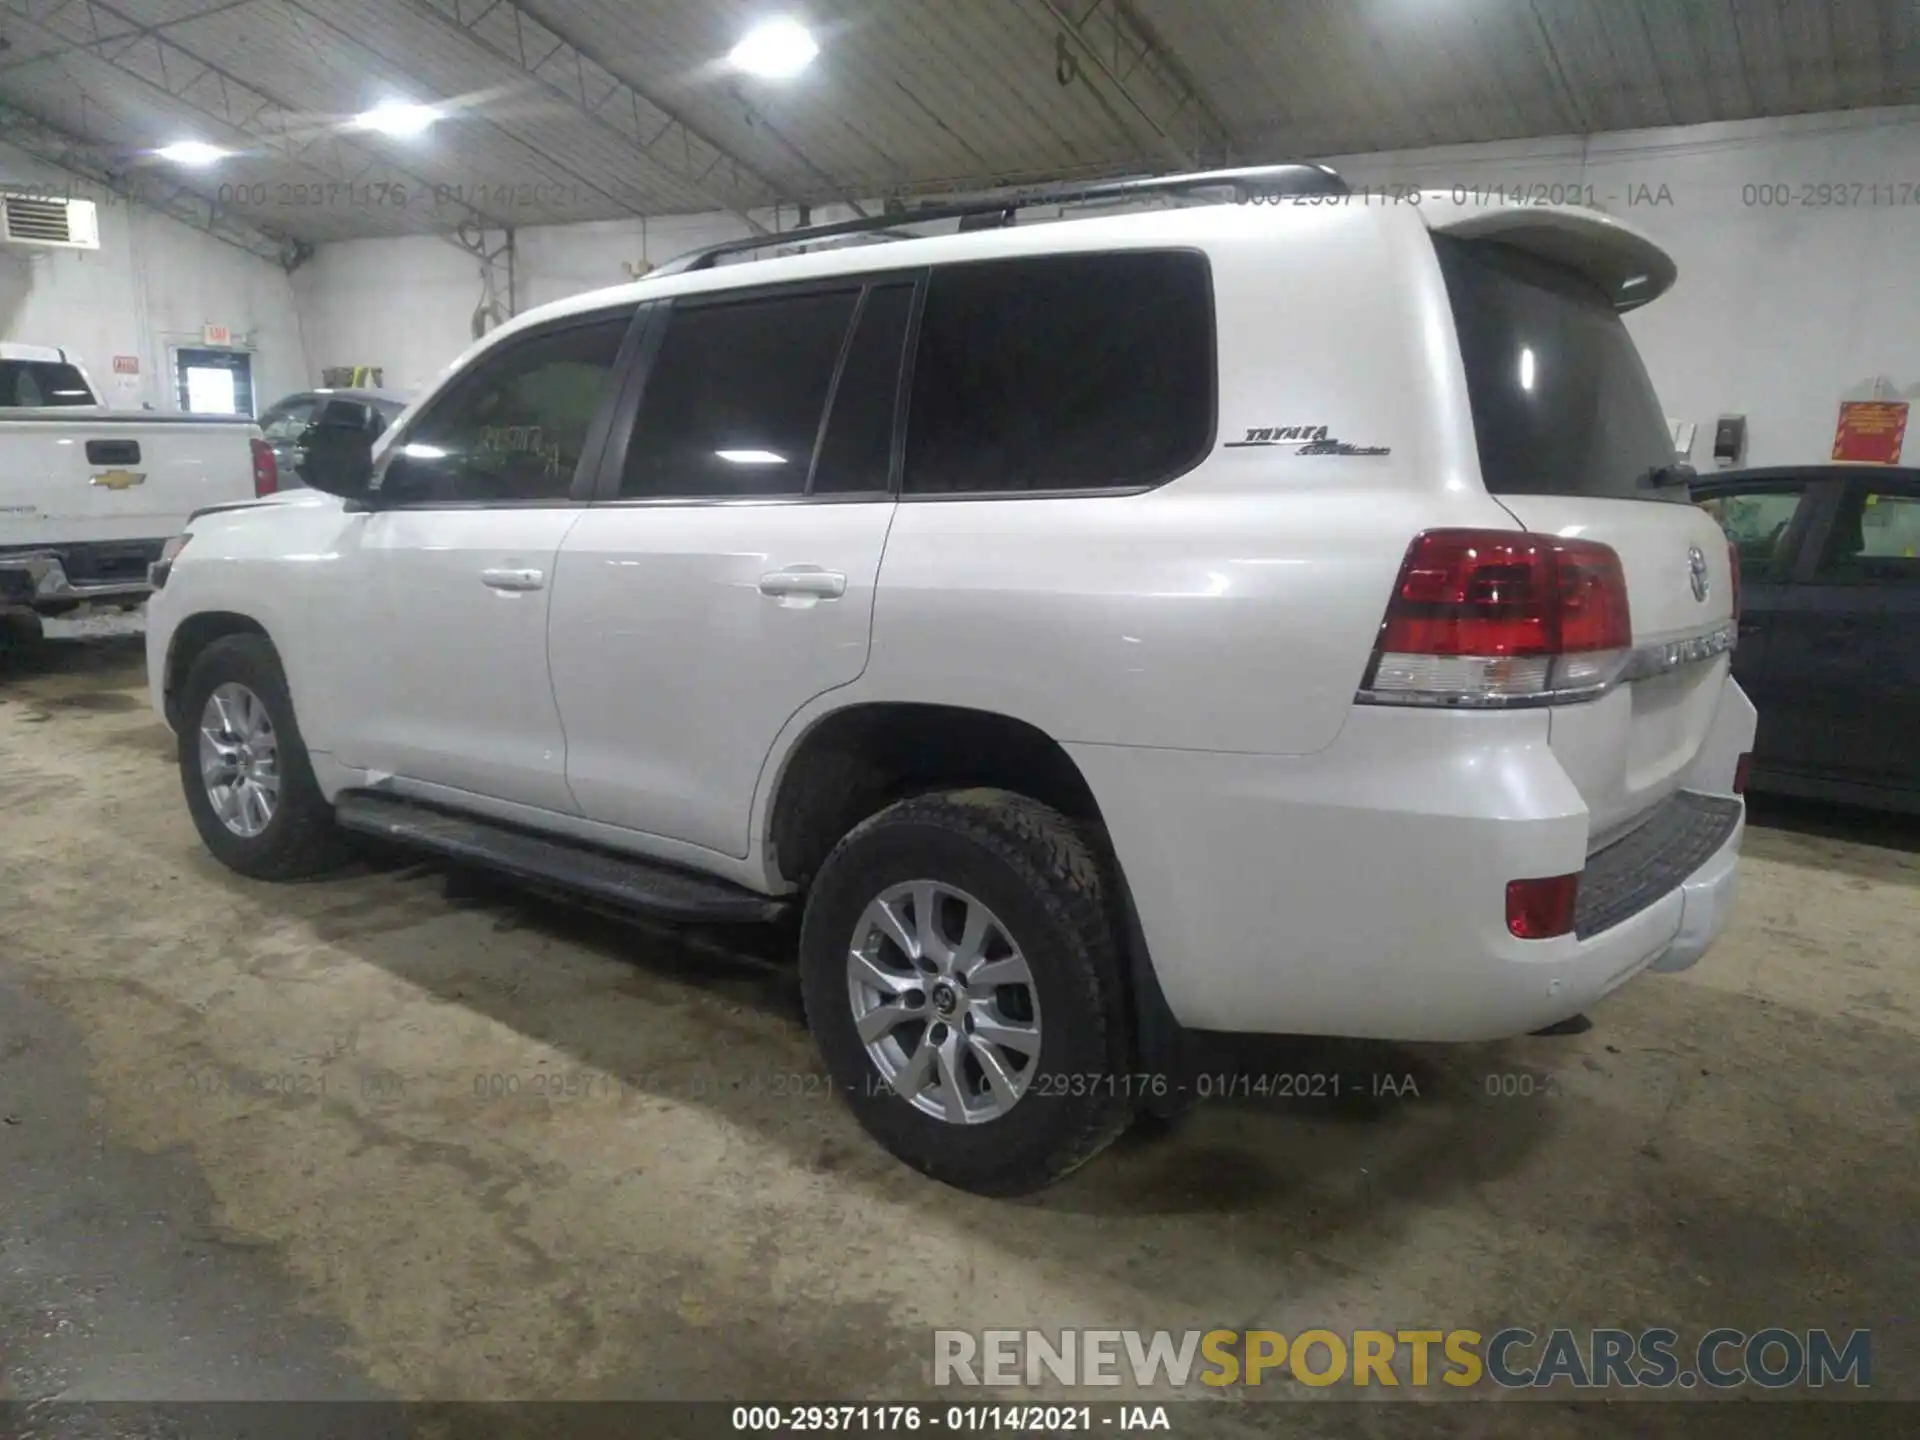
{"points": [[685, 1212]]}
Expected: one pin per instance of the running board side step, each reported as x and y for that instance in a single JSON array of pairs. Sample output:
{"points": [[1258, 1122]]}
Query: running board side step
{"points": [[661, 891]]}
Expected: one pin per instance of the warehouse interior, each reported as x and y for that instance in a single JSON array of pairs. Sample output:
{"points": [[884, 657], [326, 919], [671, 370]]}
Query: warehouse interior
{"points": [[492, 1148]]}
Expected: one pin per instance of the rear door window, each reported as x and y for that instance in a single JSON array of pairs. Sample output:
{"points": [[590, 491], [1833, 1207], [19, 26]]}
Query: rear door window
{"points": [[1062, 372], [1759, 522], [1561, 400]]}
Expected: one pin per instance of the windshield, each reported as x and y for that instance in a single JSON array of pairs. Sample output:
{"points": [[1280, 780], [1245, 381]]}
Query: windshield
{"points": [[28, 384], [1561, 401]]}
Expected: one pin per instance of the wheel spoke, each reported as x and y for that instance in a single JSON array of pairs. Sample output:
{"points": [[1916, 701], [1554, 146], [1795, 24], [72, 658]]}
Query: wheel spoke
{"points": [[869, 971], [956, 1100], [883, 917], [915, 1074], [880, 1020], [973, 939], [1010, 970], [1024, 1039], [992, 1064], [926, 926]]}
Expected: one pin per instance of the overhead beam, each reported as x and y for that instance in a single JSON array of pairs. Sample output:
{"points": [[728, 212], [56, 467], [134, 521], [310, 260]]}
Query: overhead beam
{"points": [[1143, 76], [674, 148], [47, 142], [176, 71]]}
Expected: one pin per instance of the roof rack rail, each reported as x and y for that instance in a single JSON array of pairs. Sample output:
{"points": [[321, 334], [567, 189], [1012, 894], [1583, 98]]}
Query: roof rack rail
{"points": [[991, 211]]}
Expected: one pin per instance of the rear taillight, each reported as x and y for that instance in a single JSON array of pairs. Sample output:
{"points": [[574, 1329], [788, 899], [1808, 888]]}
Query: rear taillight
{"points": [[1733, 569], [1741, 769], [266, 470], [1500, 617], [1542, 909]]}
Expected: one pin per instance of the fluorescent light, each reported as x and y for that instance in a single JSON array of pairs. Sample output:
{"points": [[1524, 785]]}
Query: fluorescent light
{"points": [[397, 118], [192, 152], [776, 49], [751, 457], [1526, 369], [423, 452]]}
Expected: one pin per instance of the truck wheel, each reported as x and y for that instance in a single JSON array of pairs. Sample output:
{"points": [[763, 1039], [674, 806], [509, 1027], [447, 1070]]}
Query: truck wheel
{"points": [[249, 784], [964, 984]]}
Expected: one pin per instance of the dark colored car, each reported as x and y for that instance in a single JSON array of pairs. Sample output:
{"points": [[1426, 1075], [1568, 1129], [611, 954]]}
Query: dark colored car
{"points": [[284, 422], [1829, 645]]}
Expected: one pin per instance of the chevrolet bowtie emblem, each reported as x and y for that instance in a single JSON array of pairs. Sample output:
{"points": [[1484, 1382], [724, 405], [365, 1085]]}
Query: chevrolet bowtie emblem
{"points": [[120, 479]]}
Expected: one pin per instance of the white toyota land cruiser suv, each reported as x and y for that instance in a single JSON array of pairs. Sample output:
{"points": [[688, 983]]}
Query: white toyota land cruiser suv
{"points": [[1272, 617]]}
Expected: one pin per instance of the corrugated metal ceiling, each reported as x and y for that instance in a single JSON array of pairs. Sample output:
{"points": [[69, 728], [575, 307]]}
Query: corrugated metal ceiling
{"points": [[565, 110]]}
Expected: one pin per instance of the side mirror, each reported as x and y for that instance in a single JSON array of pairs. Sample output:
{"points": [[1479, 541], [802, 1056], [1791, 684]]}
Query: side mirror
{"points": [[337, 451]]}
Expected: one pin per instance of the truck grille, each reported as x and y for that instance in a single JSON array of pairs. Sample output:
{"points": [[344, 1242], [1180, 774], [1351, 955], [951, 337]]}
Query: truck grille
{"points": [[1651, 861]]}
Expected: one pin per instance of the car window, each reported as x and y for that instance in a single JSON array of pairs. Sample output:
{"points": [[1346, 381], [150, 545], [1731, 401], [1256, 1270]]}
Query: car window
{"points": [[1757, 521], [25, 384], [1062, 372], [1875, 539], [1561, 400], [735, 397], [856, 454], [513, 428], [286, 420]]}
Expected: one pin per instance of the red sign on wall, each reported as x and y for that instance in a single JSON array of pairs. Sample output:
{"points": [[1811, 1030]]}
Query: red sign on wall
{"points": [[126, 364], [1870, 432]]}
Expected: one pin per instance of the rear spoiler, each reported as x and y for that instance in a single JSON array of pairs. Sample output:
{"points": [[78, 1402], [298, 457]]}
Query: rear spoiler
{"points": [[1625, 264]]}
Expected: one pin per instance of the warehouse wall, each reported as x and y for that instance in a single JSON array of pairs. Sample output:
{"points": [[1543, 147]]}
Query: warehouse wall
{"points": [[1782, 309], [152, 283]]}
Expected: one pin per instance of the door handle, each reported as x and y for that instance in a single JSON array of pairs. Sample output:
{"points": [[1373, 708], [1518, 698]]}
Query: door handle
{"points": [[804, 580], [512, 579]]}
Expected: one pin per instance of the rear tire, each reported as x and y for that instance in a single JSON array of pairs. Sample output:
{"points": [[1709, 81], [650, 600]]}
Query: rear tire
{"points": [[292, 837], [995, 1048]]}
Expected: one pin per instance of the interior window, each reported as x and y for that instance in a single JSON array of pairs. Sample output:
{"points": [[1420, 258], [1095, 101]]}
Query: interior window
{"points": [[514, 428], [1875, 540], [734, 402], [1062, 372], [1757, 522]]}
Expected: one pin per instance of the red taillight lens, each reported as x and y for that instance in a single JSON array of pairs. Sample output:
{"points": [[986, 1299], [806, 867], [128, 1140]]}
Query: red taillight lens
{"points": [[1485, 617], [1741, 769], [266, 470], [1491, 592], [1733, 569], [1542, 909]]}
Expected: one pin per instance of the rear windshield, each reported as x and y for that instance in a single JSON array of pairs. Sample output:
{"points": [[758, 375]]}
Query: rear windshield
{"points": [[1561, 403], [28, 384]]}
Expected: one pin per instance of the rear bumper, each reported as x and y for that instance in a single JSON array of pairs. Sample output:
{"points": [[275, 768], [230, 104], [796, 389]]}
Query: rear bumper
{"points": [[67, 575], [1360, 891]]}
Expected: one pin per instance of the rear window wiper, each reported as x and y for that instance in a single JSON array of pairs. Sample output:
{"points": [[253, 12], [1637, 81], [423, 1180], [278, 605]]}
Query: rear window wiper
{"points": [[1667, 477]]}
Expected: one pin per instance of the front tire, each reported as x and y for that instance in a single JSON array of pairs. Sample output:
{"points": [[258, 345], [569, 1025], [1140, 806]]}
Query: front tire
{"points": [[963, 981], [249, 784]]}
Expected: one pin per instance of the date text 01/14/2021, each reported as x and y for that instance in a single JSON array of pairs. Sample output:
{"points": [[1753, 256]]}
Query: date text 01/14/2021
{"points": [[916, 1419]]}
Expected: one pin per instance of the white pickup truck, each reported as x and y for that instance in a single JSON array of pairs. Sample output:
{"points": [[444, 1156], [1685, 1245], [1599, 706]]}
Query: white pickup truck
{"points": [[88, 495]]}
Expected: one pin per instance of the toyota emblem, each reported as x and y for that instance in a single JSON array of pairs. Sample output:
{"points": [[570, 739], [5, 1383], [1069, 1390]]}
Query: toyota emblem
{"points": [[1697, 572]]}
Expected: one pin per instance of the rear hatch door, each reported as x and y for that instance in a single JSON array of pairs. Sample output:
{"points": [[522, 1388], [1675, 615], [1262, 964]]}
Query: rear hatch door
{"points": [[1573, 442]]}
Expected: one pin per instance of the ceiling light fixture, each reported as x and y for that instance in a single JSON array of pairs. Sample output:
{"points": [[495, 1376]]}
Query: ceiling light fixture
{"points": [[397, 118], [192, 152], [775, 50]]}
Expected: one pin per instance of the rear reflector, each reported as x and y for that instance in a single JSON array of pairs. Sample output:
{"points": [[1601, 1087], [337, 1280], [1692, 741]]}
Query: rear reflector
{"points": [[1542, 909], [1501, 617], [266, 470], [1741, 769]]}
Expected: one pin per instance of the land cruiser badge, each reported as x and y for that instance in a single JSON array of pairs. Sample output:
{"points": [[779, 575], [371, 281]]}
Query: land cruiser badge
{"points": [[1303, 440]]}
